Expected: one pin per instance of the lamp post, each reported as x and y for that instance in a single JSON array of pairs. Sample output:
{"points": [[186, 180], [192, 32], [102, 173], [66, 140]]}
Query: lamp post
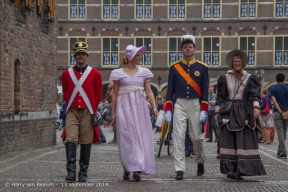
{"points": [[259, 73], [159, 81]]}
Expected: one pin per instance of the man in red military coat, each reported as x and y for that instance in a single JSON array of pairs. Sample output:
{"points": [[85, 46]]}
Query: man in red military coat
{"points": [[81, 86]]}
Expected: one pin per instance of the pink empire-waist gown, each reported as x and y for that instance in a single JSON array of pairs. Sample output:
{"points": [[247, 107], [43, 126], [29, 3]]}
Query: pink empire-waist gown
{"points": [[133, 124]]}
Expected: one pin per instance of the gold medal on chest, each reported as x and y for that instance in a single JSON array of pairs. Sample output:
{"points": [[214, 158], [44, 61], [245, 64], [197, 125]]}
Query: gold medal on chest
{"points": [[197, 73]]}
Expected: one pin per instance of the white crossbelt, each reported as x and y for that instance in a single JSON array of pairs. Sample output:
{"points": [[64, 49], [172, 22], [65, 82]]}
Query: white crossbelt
{"points": [[78, 87]]}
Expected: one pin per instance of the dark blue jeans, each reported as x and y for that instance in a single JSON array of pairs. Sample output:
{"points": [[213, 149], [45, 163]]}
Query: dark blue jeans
{"points": [[211, 123], [115, 136], [188, 143], [153, 121], [102, 136]]}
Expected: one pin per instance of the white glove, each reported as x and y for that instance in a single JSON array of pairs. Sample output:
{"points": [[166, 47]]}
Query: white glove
{"points": [[203, 116], [167, 117]]}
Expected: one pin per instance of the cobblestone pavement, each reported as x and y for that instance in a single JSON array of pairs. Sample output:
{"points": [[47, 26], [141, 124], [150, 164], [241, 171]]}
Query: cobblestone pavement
{"points": [[44, 170]]}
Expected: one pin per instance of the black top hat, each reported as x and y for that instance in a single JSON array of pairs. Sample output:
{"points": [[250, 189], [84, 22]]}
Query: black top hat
{"points": [[231, 54], [80, 46]]}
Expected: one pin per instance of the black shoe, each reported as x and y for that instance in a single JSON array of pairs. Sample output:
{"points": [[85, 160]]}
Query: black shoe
{"points": [[71, 161], [187, 154], [282, 155], [103, 140], [218, 156], [231, 175], [209, 140], [200, 169], [179, 175], [136, 176], [84, 162], [126, 175]]}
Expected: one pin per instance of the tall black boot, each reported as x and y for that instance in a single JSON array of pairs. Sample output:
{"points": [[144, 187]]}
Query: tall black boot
{"points": [[71, 161], [84, 162]]}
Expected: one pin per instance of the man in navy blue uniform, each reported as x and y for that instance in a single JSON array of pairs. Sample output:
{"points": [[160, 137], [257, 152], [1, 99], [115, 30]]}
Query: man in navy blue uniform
{"points": [[187, 95]]}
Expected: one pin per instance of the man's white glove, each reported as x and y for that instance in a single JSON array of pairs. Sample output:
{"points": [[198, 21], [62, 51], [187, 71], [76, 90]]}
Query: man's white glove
{"points": [[203, 116], [167, 116]]}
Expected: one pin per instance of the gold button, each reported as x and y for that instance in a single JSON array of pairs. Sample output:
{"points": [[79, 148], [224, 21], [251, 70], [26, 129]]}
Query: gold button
{"points": [[187, 97], [187, 73], [79, 95], [187, 83], [79, 106], [187, 87], [79, 100], [187, 92], [80, 73], [188, 70]]}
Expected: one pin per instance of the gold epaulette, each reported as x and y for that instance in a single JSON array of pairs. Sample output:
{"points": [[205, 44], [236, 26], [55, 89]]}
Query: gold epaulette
{"points": [[200, 62], [175, 63]]}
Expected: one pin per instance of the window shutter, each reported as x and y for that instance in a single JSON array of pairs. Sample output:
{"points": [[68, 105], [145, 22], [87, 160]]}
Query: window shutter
{"points": [[51, 15], [16, 3], [30, 4], [40, 7]]}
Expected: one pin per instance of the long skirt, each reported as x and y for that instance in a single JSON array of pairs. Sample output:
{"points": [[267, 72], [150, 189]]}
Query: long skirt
{"points": [[239, 152], [134, 134]]}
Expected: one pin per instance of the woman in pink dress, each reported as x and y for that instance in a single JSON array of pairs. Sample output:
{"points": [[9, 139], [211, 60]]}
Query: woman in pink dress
{"points": [[129, 106]]}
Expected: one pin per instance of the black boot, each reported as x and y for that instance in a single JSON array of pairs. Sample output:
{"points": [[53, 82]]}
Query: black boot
{"points": [[179, 175], [84, 162], [136, 176], [126, 175], [200, 169], [71, 161]]}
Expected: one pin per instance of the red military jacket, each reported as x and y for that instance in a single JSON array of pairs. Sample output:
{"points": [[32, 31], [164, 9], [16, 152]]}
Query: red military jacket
{"points": [[92, 87]]}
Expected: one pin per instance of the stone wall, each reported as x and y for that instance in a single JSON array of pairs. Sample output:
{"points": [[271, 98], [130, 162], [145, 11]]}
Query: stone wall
{"points": [[28, 93]]}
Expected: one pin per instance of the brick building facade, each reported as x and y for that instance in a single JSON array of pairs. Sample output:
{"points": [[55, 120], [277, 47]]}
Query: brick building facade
{"points": [[28, 93], [258, 27]]}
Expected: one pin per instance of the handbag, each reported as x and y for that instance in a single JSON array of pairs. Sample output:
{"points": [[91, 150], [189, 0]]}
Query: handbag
{"points": [[160, 118], [266, 110], [95, 119], [108, 114], [227, 105]]}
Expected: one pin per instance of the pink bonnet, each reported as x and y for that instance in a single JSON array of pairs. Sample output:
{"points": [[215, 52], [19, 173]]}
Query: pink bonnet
{"points": [[131, 51]]}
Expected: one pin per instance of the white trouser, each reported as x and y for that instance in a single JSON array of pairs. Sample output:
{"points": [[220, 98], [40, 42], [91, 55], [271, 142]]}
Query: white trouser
{"points": [[187, 109]]}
